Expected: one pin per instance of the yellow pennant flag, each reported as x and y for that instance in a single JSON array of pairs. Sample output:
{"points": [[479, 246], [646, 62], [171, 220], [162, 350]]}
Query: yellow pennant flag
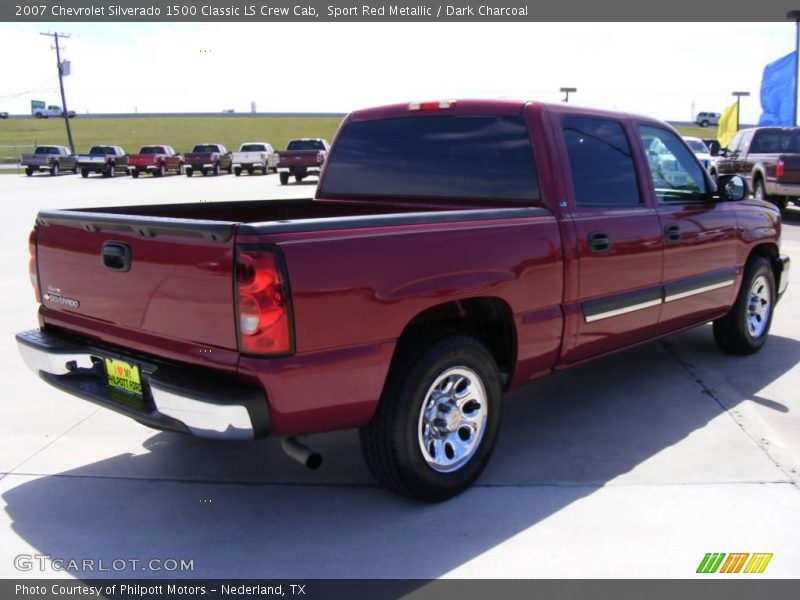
{"points": [[728, 125]]}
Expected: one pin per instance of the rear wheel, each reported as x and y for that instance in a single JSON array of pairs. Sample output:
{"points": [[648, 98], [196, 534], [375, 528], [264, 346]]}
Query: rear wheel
{"points": [[438, 418], [745, 328], [230, 169], [84, 173], [160, 171], [135, 173], [284, 178], [250, 170], [216, 170], [299, 178], [189, 171], [704, 123], [110, 171], [54, 170], [28, 171], [237, 171]]}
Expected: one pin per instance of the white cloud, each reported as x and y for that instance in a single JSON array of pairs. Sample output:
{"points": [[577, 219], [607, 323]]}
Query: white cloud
{"points": [[657, 69]]}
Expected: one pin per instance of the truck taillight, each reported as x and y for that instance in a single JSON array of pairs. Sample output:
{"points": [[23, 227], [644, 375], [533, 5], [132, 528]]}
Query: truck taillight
{"points": [[33, 272], [262, 303], [434, 105], [780, 169], [320, 157]]}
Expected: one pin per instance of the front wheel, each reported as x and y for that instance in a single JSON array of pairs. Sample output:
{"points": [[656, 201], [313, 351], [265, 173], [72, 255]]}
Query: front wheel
{"points": [[437, 421], [745, 328]]}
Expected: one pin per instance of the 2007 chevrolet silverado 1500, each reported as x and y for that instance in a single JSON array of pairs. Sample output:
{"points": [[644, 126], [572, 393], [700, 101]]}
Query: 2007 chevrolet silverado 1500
{"points": [[453, 251]]}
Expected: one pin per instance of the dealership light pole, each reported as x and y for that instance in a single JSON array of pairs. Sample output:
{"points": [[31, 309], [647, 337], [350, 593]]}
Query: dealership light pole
{"points": [[738, 99], [566, 91], [60, 66], [795, 16]]}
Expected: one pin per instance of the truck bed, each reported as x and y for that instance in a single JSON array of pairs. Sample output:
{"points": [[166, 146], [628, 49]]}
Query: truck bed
{"points": [[217, 221]]}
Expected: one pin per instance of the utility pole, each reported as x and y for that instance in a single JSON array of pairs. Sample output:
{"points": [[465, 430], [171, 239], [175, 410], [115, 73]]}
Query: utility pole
{"points": [[794, 15], [738, 101], [55, 37]]}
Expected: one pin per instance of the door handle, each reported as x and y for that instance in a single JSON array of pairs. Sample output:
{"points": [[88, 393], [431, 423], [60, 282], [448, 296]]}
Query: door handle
{"points": [[672, 233], [599, 242], [116, 256]]}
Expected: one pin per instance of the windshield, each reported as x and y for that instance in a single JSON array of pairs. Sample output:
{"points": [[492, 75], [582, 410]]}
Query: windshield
{"points": [[305, 145], [206, 148], [697, 146], [253, 148], [152, 150], [434, 157]]}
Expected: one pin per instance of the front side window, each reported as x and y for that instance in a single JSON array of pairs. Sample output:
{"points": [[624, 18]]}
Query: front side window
{"points": [[457, 157], [674, 170], [601, 162]]}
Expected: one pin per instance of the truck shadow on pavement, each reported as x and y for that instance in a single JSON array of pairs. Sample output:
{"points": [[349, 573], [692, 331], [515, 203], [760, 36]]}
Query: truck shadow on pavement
{"points": [[245, 510]]}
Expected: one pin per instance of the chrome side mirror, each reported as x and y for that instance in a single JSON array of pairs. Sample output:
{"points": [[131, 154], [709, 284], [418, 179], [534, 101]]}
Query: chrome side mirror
{"points": [[732, 188]]}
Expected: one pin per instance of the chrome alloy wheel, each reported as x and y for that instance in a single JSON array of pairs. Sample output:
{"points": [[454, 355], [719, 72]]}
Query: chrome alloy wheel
{"points": [[758, 306], [452, 419]]}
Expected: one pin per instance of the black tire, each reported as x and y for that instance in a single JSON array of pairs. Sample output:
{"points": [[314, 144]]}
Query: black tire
{"points": [[703, 123], [299, 178], [230, 169], [189, 171], [180, 169], [284, 178], [391, 443], [250, 170], [84, 173], [39, 115], [28, 172], [75, 170], [160, 171], [731, 332], [135, 173], [237, 171], [110, 171], [54, 170], [216, 170]]}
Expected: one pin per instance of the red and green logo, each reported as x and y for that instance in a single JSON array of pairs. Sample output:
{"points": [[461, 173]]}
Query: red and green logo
{"points": [[737, 562]]}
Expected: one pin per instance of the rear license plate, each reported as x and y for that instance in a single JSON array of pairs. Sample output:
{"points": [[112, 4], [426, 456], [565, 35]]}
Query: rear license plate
{"points": [[124, 376]]}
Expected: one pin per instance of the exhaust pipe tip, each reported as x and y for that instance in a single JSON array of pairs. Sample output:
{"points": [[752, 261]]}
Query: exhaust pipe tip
{"points": [[298, 451]]}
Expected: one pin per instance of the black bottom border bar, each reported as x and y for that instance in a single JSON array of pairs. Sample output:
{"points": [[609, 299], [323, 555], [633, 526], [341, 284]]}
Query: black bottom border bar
{"points": [[707, 587]]}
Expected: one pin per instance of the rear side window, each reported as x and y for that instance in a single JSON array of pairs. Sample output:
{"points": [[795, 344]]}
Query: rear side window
{"points": [[434, 156], [601, 162]]}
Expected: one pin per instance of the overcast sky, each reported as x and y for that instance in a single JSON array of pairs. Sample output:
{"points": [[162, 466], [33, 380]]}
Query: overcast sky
{"points": [[665, 70]]}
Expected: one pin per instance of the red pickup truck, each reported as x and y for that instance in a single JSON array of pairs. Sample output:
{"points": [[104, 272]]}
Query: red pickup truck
{"points": [[453, 251], [302, 158], [158, 160]]}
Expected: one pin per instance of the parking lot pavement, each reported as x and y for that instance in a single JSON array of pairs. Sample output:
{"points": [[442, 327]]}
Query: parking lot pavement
{"points": [[633, 466]]}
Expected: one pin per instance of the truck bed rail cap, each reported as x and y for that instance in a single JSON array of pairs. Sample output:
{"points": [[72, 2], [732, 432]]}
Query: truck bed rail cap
{"points": [[213, 231]]}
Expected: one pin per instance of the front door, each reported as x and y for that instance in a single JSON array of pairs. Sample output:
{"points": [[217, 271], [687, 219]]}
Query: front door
{"points": [[699, 233]]}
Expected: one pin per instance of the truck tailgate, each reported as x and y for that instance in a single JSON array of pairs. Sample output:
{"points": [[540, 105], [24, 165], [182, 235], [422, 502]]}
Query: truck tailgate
{"points": [[176, 281], [791, 168], [298, 158]]}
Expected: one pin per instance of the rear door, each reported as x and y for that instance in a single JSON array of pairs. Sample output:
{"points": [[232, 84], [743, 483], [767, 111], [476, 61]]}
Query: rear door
{"points": [[700, 234], [619, 243]]}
